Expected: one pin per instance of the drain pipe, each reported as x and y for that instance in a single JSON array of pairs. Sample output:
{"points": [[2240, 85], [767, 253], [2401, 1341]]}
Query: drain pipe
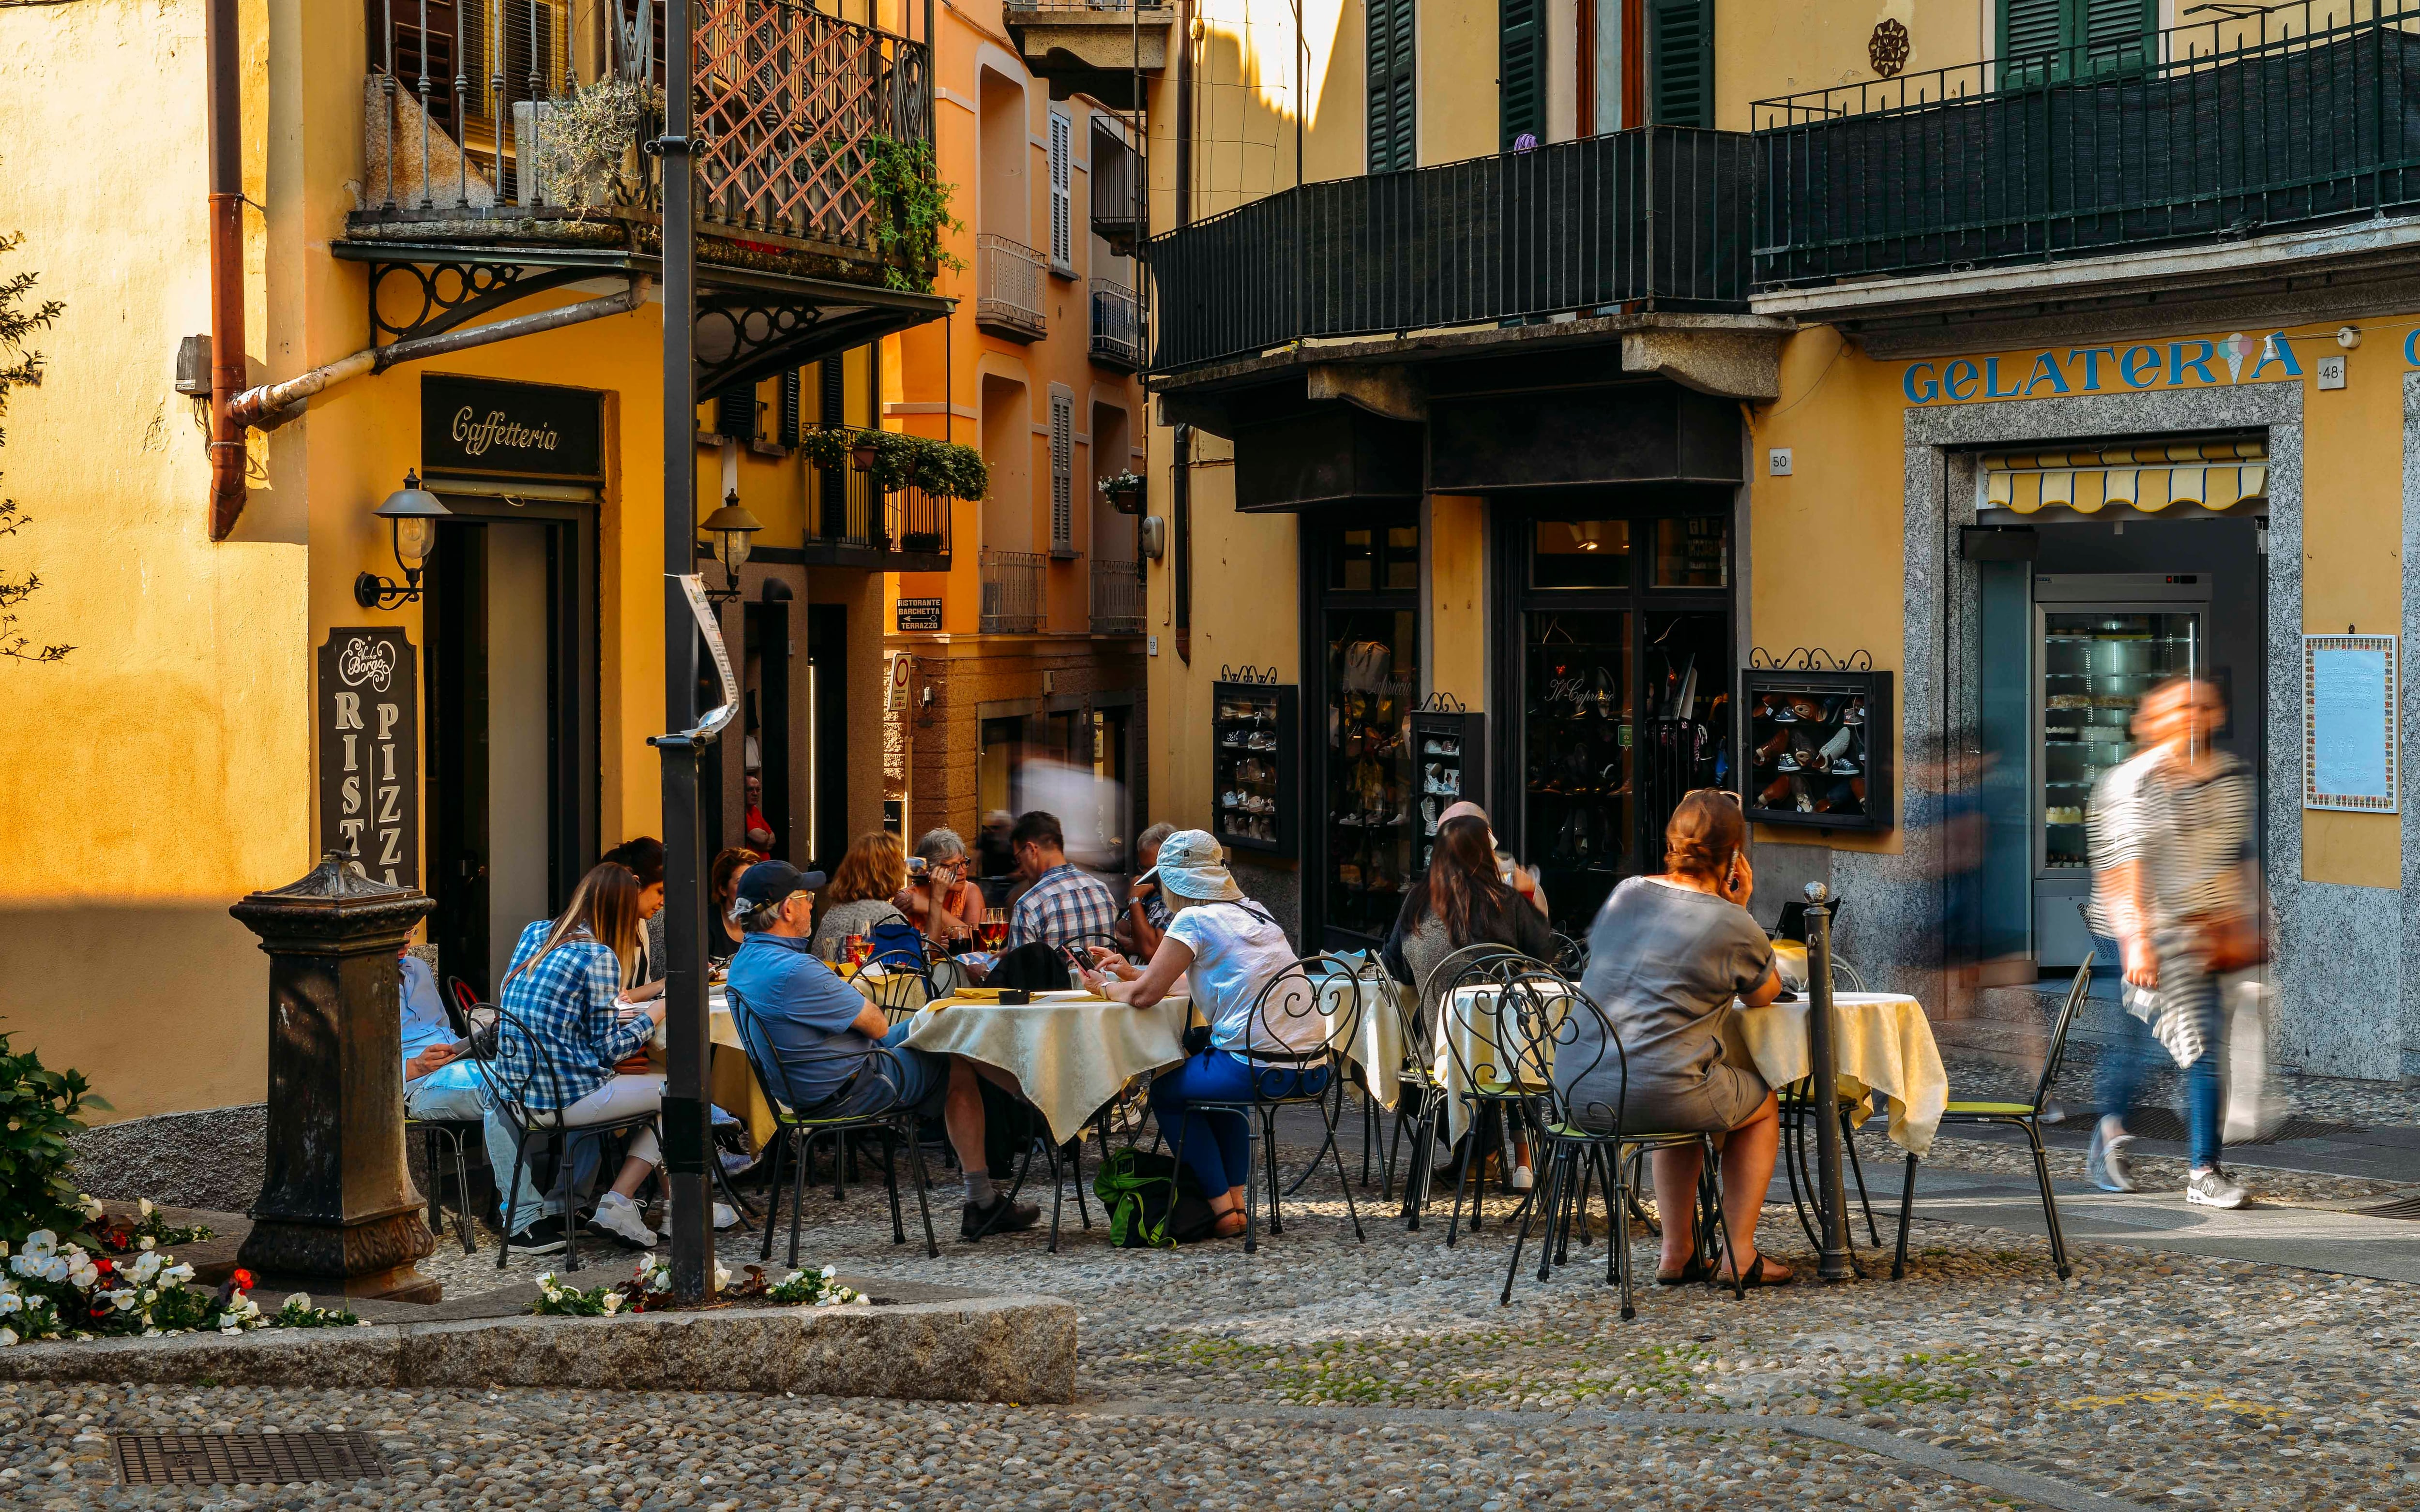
{"points": [[223, 64], [272, 405]]}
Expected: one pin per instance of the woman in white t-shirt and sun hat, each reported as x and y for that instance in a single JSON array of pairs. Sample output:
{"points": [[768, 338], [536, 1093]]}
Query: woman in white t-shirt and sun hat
{"points": [[1231, 951]]}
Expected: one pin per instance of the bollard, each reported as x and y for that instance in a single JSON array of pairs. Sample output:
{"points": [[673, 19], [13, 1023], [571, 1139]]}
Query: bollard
{"points": [[1823, 1092], [337, 1212]]}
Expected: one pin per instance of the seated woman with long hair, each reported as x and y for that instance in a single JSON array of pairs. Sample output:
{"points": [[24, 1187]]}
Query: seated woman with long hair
{"points": [[874, 871], [566, 987], [1230, 950], [1465, 901], [1667, 957]]}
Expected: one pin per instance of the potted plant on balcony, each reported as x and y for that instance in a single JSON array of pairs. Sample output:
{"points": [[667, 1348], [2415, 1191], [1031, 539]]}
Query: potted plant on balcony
{"points": [[585, 146], [1123, 490]]}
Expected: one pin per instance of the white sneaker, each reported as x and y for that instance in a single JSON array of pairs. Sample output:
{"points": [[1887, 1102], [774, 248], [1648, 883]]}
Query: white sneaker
{"points": [[725, 1216], [2213, 1188], [617, 1218], [1522, 1181]]}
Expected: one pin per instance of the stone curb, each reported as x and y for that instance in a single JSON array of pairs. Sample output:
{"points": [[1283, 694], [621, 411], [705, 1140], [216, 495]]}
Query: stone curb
{"points": [[1007, 1348]]}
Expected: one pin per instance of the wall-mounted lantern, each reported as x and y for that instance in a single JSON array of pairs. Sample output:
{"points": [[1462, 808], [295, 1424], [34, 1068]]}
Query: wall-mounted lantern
{"points": [[412, 513]]}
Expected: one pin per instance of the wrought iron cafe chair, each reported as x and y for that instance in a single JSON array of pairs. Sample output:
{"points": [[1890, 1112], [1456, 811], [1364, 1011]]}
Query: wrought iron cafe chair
{"points": [[508, 1095]]}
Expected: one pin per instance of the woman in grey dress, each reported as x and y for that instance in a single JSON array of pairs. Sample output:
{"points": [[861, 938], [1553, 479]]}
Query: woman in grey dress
{"points": [[1667, 957]]}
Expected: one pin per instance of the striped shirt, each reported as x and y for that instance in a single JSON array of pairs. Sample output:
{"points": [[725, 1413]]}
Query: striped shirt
{"points": [[2189, 835], [566, 1002], [1063, 905]]}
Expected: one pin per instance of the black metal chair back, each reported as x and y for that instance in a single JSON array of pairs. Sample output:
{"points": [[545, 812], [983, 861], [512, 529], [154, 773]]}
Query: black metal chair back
{"points": [[1570, 956], [897, 981], [2077, 990], [525, 1064], [1560, 1038]]}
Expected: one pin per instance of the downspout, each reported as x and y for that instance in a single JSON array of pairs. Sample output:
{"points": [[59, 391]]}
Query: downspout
{"points": [[223, 64], [1181, 479], [272, 405]]}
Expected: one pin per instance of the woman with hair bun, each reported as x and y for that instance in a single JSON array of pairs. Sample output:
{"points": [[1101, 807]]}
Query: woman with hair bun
{"points": [[1667, 957]]}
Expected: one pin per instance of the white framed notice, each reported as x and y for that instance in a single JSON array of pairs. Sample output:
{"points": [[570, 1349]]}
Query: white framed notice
{"points": [[2348, 724]]}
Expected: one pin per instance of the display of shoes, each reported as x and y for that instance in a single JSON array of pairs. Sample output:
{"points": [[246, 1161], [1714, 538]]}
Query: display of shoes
{"points": [[1854, 714], [1781, 713], [1789, 762], [1229, 799], [1429, 812]]}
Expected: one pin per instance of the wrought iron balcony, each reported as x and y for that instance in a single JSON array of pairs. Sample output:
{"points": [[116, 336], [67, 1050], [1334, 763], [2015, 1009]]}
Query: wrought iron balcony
{"points": [[1121, 192], [521, 120], [1008, 277], [2254, 122], [1117, 326], [1013, 590], [1657, 218], [1117, 596], [852, 523]]}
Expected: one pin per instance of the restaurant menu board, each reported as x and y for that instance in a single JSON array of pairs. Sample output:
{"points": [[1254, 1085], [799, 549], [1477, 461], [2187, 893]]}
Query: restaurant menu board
{"points": [[2348, 697], [368, 715], [1252, 765], [1447, 750], [1818, 749]]}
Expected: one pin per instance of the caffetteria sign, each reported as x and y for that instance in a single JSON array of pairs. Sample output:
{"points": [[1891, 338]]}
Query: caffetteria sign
{"points": [[481, 428], [2197, 361]]}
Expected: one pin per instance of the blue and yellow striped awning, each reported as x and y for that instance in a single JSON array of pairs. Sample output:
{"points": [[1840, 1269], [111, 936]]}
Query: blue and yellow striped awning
{"points": [[2148, 476]]}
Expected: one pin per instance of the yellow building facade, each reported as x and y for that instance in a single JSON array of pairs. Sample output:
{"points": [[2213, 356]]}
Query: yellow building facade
{"points": [[1572, 429], [199, 743]]}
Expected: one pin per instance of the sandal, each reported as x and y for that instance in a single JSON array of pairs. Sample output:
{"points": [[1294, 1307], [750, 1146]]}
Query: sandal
{"points": [[1222, 1228], [1758, 1276], [1689, 1275]]}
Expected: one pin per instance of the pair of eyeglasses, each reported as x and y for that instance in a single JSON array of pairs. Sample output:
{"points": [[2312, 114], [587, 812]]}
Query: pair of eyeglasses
{"points": [[1720, 793]]}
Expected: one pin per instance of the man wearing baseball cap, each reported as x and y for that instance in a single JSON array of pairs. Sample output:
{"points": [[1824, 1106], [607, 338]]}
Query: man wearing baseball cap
{"points": [[820, 1032]]}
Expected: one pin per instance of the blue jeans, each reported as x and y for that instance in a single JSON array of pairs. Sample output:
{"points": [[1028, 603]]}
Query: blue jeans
{"points": [[1217, 1146], [2122, 1064]]}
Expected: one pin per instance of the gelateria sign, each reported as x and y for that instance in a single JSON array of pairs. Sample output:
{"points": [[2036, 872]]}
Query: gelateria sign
{"points": [[2197, 361], [481, 428]]}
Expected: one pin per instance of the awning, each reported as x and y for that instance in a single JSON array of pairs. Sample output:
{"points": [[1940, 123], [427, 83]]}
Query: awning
{"points": [[2148, 476]]}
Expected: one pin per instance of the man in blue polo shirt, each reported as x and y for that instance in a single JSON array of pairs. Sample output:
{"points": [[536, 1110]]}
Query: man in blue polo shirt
{"points": [[820, 1030]]}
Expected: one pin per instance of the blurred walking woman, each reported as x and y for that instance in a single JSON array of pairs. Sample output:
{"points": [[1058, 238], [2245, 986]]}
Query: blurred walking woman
{"points": [[566, 988], [1667, 956]]}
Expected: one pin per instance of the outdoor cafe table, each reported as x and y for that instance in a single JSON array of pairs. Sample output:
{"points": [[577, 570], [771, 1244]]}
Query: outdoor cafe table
{"points": [[1882, 1043], [1377, 1036], [1070, 1051]]}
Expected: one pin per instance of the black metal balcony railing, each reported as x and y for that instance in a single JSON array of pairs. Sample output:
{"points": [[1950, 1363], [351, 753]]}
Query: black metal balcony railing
{"points": [[1121, 191], [1654, 218], [2254, 122], [552, 120], [1013, 586], [850, 521], [1117, 325]]}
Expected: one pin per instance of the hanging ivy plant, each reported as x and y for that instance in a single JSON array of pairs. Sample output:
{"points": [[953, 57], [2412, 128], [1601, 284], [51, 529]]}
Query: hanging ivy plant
{"points": [[916, 206], [943, 469]]}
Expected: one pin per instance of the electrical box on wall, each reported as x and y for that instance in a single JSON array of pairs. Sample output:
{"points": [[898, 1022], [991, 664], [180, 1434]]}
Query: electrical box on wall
{"points": [[1818, 749]]}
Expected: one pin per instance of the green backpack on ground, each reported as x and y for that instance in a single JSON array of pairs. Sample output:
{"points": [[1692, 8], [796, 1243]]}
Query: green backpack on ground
{"points": [[1151, 1203]]}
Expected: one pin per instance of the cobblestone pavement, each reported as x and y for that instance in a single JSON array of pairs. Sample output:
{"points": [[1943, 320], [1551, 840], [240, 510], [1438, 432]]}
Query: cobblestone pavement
{"points": [[1324, 1373]]}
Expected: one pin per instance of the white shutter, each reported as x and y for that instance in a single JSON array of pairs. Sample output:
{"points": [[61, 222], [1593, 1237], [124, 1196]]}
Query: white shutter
{"points": [[1063, 192], [1062, 472]]}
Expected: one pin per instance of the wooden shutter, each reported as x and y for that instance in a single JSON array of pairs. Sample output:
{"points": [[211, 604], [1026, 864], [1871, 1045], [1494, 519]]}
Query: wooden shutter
{"points": [[1394, 124], [1062, 472], [1521, 72], [735, 414], [2114, 34], [1063, 192], [831, 393], [793, 396], [2031, 33], [432, 48], [1681, 56]]}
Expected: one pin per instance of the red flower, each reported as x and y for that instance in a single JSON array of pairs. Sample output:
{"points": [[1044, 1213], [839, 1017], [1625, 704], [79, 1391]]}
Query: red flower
{"points": [[103, 1265], [243, 1279]]}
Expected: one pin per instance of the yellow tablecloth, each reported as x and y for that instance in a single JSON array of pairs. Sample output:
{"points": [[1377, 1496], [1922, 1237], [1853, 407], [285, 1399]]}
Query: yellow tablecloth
{"points": [[1880, 1043], [730, 1085], [1069, 1052]]}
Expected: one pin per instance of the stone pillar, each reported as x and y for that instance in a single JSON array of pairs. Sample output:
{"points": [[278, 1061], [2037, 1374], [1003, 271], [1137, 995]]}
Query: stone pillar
{"points": [[337, 1212]]}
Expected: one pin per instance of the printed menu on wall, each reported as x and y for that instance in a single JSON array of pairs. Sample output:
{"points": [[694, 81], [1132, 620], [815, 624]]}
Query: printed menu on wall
{"points": [[368, 713], [2349, 727]]}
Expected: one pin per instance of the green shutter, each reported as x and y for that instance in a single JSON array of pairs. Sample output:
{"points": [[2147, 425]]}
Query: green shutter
{"points": [[2115, 34], [2066, 38], [1521, 72], [1681, 51], [1394, 127]]}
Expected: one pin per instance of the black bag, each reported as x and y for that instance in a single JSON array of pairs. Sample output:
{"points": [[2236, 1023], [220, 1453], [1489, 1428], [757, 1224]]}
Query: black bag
{"points": [[1032, 966], [1151, 1203]]}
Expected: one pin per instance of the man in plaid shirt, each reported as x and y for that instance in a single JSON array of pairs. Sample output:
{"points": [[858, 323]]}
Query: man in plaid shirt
{"points": [[1064, 904]]}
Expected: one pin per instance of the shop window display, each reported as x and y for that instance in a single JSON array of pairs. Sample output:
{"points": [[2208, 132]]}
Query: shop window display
{"points": [[1373, 777], [1818, 749], [1581, 743]]}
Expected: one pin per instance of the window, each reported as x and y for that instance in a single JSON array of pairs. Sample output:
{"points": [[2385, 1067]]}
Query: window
{"points": [[1521, 72], [2044, 40], [735, 414], [1062, 193], [1063, 474], [1581, 553], [1375, 560], [1693, 551], [1394, 124], [1680, 49], [793, 399]]}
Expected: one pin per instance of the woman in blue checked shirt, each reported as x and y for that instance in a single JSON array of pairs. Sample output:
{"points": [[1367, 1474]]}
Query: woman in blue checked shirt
{"points": [[565, 987]]}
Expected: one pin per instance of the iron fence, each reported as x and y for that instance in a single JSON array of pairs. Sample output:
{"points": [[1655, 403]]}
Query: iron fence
{"points": [[2258, 120], [1117, 325], [1121, 191], [1657, 218], [847, 513], [1117, 596], [1008, 280], [1013, 591], [547, 106]]}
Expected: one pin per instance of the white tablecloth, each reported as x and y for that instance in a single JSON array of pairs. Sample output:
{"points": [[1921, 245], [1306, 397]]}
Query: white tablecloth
{"points": [[1377, 1039], [1069, 1052], [1475, 1041]]}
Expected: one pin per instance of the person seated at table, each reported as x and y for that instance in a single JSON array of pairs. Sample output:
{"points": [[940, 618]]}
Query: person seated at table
{"points": [[645, 857], [1667, 956], [820, 1028], [566, 989], [1145, 916], [438, 1084], [874, 871], [1229, 949], [722, 934], [1511, 871], [942, 903], [1064, 906], [1465, 901]]}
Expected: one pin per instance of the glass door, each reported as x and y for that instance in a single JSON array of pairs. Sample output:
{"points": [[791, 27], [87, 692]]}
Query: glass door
{"points": [[1579, 800], [2097, 662], [1366, 781]]}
